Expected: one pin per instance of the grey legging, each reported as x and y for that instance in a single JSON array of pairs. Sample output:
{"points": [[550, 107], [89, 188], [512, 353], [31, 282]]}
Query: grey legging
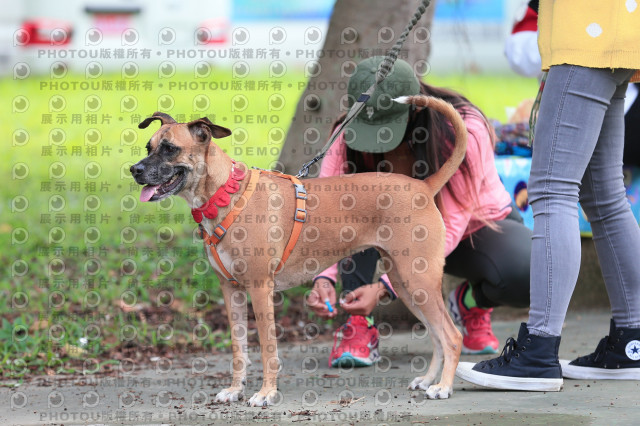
{"points": [[577, 156]]}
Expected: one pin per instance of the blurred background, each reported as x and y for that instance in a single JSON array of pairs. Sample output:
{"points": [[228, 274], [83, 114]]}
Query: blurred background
{"points": [[466, 34], [89, 276]]}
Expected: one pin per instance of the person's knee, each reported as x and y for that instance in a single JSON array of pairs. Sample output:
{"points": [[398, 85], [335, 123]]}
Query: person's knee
{"points": [[604, 205], [555, 193]]}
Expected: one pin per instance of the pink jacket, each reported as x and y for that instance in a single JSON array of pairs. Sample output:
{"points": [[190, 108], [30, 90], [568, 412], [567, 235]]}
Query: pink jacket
{"points": [[494, 202]]}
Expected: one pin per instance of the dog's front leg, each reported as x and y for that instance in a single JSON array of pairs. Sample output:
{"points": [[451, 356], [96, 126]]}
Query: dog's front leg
{"points": [[262, 302], [235, 300]]}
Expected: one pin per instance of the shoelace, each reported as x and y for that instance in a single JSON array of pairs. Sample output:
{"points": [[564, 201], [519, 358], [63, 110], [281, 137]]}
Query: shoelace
{"points": [[350, 336], [509, 351], [339, 335], [477, 321]]}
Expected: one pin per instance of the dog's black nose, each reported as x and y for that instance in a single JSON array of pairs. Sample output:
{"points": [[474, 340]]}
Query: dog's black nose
{"points": [[136, 170]]}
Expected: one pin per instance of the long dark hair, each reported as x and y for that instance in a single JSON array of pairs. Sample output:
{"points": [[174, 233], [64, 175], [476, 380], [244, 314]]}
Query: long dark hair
{"points": [[430, 137]]}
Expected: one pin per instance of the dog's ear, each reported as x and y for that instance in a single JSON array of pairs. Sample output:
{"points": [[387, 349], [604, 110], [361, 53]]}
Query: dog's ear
{"points": [[164, 119], [203, 129]]}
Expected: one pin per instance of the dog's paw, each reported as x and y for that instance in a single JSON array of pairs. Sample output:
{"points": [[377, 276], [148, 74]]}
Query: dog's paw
{"points": [[421, 382], [262, 399], [439, 392], [230, 395]]}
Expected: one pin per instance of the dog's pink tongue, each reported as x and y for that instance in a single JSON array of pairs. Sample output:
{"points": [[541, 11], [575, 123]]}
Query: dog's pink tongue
{"points": [[147, 192]]}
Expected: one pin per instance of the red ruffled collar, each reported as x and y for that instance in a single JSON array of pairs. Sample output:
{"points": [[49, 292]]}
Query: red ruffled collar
{"points": [[221, 198]]}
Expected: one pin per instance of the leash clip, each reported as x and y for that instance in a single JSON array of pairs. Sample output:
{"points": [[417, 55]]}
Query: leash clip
{"points": [[304, 171]]}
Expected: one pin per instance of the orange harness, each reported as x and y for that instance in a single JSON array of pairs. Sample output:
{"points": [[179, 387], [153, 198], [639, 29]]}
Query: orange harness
{"points": [[220, 230]]}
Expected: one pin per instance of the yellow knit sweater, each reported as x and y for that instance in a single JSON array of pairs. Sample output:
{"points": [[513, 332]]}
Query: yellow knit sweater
{"points": [[590, 33]]}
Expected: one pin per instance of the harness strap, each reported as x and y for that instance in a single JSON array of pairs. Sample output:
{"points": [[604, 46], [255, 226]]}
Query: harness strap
{"points": [[300, 216], [216, 257]]}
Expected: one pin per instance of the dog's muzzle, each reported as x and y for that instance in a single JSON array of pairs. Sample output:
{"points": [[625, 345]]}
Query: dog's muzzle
{"points": [[158, 186]]}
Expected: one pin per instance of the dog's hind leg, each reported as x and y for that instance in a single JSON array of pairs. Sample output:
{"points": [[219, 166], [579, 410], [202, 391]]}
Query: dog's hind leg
{"points": [[422, 294], [412, 302], [235, 300]]}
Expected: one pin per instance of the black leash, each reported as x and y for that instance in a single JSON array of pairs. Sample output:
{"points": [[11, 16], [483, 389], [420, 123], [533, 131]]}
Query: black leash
{"points": [[381, 74]]}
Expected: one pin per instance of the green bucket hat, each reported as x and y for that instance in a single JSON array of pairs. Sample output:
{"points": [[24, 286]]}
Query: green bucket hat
{"points": [[382, 123]]}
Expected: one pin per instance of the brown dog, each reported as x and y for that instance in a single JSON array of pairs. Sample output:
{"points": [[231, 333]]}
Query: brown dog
{"points": [[395, 214]]}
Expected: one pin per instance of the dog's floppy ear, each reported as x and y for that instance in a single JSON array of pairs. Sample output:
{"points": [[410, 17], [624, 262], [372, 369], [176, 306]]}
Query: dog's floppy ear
{"points": [[203, 129], [164, 119]]}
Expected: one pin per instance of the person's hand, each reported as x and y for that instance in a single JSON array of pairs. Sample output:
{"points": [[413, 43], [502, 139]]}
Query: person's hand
{"points": [[362, 300], [322, 291]]}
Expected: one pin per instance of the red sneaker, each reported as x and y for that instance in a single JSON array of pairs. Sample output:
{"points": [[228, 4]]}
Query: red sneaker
{"points": [[478, 338], [355, 344]]}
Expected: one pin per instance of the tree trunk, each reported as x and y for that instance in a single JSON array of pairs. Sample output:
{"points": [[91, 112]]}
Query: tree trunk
{"points": [[357, 30]]}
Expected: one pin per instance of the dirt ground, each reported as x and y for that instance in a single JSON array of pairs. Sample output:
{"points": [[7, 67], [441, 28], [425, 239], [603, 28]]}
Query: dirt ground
{"points": [[181, 390]]}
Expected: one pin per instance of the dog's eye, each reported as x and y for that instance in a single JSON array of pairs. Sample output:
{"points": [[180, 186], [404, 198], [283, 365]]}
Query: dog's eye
{"points": [[170, 149]]}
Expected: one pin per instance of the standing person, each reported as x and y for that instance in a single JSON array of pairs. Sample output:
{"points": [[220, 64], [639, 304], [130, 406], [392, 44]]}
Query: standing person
{"points": [[591, 51], [486, 241]]}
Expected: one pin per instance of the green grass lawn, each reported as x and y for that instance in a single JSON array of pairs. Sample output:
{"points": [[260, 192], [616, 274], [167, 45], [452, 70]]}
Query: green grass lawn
{"points": [[82, 256], [493, 94]]}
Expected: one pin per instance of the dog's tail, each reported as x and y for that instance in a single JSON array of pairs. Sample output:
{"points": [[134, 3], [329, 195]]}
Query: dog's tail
{"points": [[437, 180]]}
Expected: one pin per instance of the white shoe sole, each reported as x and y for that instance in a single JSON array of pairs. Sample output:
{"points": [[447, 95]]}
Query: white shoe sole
{"points": [[592, 373], [465, 371]]}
